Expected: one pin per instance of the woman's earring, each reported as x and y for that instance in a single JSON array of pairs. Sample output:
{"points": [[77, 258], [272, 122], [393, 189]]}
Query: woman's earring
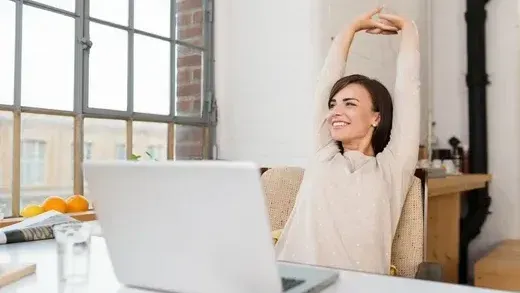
{"points": [[374, 125]]}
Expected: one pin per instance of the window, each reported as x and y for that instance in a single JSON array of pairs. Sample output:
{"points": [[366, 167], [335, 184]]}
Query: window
{"points": [[6, 157], [155, 152], [120, 151], [87, 151], [87, 155], [33, 162], [141, 80], [150, 140]]}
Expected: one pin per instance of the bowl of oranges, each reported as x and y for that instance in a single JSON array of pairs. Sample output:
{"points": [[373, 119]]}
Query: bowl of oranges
{"points": [[73, 204]]}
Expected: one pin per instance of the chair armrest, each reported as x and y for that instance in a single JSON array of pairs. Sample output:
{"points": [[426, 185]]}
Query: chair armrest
{"points": [[429, 271], [276, 235]]}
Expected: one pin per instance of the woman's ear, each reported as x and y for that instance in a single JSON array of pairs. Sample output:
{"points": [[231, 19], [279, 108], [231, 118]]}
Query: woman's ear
{"points": [[376, 119]]}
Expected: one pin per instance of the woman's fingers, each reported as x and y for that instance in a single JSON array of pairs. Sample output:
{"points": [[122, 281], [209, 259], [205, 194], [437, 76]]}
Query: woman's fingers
{"points": [[384, 21], [373, 12], [384, 26], [374, 31], [394, 20], [378, 31], [389, 17], [388, 33]]}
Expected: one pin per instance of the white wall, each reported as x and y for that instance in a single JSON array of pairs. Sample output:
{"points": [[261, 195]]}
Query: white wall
{"points": [[266, 65], [269, 52], [450, 105]]}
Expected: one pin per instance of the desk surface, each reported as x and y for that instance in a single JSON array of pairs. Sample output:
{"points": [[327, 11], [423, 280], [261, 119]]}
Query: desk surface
{"points": [[102, 279], [456, 183]]}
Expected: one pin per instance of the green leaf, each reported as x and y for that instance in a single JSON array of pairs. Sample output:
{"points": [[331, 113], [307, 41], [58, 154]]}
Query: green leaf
{"points": [[135, 157]]}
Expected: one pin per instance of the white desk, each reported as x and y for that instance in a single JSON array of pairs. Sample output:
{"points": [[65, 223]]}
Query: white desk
{"points": [[102, 279]]}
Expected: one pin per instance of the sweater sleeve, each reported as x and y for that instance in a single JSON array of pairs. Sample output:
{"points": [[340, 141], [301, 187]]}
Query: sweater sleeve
{"points": [[399, 158], [332, 70]]}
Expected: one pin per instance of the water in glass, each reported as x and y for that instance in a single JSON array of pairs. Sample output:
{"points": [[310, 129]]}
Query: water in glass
{"points": [[73, 250]]}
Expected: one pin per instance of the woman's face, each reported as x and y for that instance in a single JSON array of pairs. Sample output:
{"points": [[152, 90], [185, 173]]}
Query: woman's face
{"points": [[351, 118]]}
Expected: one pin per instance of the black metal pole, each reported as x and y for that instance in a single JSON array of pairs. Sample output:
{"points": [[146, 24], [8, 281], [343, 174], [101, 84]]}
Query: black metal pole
{"points": [[477, 80]]}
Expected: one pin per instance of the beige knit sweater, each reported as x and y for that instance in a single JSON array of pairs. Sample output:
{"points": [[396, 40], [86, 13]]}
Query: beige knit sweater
{"points": [[348, 206]]}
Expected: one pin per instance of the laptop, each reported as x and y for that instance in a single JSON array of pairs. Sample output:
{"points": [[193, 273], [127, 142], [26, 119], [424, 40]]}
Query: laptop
{"points": [[192, 226]]}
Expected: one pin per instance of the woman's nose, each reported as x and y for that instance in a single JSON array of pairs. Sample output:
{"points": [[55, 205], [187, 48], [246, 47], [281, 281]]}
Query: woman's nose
{"points": [[336, 111], [333, 114]]}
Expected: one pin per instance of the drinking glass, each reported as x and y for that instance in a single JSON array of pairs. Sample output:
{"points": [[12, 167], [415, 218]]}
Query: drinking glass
{"points": [[3, 210], [73, 250]]}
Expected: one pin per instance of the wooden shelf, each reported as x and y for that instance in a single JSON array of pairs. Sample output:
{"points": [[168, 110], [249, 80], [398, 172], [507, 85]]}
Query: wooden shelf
{"points": [[83, 216], [456, 183]]}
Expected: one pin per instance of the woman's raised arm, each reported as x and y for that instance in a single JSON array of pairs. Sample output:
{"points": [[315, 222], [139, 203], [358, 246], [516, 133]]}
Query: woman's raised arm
{"points": [[402, 149], [334, 68], [399, 158]]}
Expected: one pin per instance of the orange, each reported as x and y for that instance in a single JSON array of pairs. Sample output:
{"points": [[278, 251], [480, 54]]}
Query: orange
{"points": [[77, 203], [55, 203]]}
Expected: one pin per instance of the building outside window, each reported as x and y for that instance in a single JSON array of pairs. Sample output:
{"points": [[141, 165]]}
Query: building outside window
{"points": [[32, 162]]}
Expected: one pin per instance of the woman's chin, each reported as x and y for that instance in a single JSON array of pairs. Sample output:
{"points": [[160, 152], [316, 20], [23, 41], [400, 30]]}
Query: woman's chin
{"points": [[339, 136]]}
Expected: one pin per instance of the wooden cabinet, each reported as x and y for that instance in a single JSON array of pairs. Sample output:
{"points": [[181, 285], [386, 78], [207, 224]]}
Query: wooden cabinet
{"points": [[443, 229]]}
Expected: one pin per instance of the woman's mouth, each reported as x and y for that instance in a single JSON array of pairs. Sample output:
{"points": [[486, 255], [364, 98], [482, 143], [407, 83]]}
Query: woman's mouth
{"points": [[339, 124]]}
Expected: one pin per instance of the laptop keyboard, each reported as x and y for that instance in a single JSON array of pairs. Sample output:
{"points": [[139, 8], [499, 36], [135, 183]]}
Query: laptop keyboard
{"points": [[288, 283]]}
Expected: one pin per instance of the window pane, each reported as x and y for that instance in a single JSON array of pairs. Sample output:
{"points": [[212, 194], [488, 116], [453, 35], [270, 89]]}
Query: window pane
{"points": [[190, 19], [45, 170], [33, 162], [152, 16], [151, 75], [108, 140], [150, 140], [47, 60], [108, 68], [189, 142], [87, 154], [7, 35], [69, 5], [6, 160], [115, 11], [189, 82], [87, 151], [120, 153]]}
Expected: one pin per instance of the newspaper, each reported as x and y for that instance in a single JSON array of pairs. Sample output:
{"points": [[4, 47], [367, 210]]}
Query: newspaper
{"points": [[35, 228]]}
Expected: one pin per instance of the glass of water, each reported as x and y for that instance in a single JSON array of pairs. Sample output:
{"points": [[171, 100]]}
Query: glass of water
{"points": [[3, 210], [73, 250]]}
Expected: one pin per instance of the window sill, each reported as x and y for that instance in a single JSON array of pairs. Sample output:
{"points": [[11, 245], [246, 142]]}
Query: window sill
{"points": [[82, 216]]}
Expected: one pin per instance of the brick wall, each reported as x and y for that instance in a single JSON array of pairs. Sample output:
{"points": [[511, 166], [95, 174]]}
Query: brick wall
{"points": [[189, 139]]}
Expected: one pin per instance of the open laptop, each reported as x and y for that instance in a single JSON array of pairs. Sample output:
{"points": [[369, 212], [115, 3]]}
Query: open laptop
{"points": [[192, 226]]}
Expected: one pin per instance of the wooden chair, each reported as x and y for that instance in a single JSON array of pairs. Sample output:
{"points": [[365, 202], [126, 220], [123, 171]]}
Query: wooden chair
{"points": [[408, 249]]}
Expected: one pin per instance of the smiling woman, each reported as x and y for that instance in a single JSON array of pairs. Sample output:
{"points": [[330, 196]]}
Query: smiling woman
{"points": [[360, 112], [354, 187]]}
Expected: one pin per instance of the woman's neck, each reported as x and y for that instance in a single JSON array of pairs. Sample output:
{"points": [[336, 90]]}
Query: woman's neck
{"points": [[364, 148]]}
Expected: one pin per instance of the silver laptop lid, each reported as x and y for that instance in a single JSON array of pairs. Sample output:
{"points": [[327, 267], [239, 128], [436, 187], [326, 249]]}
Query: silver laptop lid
{"points": [[185, 226]]}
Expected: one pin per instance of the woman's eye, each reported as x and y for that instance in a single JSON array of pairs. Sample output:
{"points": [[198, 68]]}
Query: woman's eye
{"points": [[350, 104]]}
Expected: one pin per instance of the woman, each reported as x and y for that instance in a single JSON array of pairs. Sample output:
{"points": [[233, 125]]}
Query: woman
{"points": [[353, 191]]}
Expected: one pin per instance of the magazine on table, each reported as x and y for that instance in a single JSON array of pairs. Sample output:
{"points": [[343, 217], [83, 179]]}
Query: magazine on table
{"points": [[35, 228]]}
